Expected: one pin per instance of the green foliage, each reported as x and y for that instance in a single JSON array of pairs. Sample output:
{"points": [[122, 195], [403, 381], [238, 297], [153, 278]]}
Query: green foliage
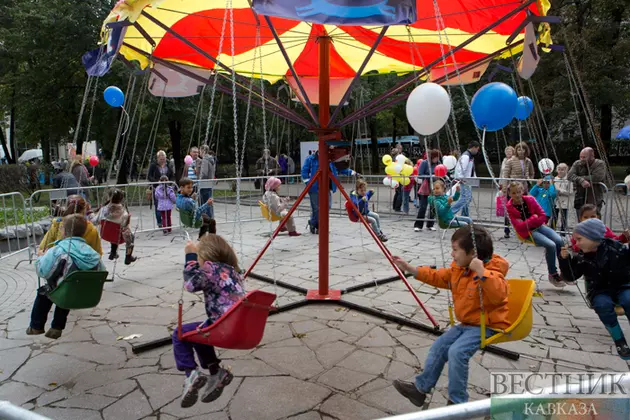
{"points": [[16, 217], [12, 178]]}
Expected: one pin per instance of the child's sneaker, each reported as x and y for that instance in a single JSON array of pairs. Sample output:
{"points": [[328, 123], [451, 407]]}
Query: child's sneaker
{"points": [[53, 333], [417, 229], [622, 349], [215, 386], [409, 391], [382, 237], [432, 229], [193, 383], [33, 331], [556, 280]]}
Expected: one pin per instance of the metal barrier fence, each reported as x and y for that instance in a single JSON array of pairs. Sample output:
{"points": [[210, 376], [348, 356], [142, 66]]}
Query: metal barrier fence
{"points": [[14, 225], [9, 411]]}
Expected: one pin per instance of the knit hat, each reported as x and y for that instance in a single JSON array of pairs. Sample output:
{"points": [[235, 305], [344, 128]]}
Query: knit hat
{"points": [[593, 229], [272, 183]]}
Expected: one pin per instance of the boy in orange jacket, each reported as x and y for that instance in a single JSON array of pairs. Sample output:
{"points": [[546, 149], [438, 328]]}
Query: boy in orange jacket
{"points": [[460, 342]]}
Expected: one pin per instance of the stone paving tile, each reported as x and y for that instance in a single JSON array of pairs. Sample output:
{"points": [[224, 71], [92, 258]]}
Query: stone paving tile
{"points": [[133, 406], [18, 393], [69, 413], [339, 406]]}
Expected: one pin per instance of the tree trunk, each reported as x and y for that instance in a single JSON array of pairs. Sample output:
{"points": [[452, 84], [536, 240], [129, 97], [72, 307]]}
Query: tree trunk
{"points": [[5, 148], [394, 130], [605, 127], [175, 131]]}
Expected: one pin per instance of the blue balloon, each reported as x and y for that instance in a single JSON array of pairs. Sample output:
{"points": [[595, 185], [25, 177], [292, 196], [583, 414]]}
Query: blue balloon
{"points": [[114, 96], [525, 108], [494, 106]]}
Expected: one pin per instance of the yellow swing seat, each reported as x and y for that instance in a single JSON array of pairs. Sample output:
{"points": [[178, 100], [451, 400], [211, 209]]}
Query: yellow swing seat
{"points": [[267, 214], [520, 316]]}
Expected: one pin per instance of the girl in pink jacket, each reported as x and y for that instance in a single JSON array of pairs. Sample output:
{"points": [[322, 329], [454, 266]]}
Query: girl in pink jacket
{"points": [[528, 220]]}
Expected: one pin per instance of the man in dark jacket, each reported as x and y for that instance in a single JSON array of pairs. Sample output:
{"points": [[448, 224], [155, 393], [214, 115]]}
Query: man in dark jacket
{"points": [[587, 174], [207, 171]]}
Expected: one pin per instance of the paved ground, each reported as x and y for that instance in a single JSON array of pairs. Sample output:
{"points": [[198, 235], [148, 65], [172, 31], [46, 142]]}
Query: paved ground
{"points": [[316, 362]]}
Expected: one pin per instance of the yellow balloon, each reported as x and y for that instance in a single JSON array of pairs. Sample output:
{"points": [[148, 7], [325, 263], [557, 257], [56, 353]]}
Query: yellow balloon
{"points": [[405, 181], [391, 170], [397, 179], [406, 171], [387, 159]]}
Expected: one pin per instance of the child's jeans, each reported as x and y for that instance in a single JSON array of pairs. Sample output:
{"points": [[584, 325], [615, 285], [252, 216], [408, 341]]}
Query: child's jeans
{"points": [[464, 199], [39, 314], [562, 215], [604, 306], [184, 351], [166, 220], [459, 221], [457, 345], [405, 203], [552, 242], [375, 222]]}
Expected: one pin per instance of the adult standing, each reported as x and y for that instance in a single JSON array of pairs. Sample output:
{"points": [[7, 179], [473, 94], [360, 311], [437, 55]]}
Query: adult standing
{"points": [[586, 174], [397, 203], [64, 179], [80, 172], [424, 180], [207, 170], [158, 169], [266, 166], [192, 171], [519, 167], [465, 172], [309, 169], [509, 153]]}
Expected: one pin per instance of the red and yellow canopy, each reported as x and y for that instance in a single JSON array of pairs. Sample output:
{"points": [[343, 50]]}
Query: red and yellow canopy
{"points": [[207, 24]]}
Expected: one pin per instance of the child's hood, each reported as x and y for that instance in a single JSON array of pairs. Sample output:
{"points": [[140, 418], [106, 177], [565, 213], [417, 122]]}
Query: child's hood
{"points": [[82, 254], [496, 263]]}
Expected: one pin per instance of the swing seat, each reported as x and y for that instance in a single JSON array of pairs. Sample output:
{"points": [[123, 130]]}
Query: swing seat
{"points": [[240, 328], [267, 214], [529, 240], [79, 290], [187, 220], [352, 215], [520, 314], [111, 232]]}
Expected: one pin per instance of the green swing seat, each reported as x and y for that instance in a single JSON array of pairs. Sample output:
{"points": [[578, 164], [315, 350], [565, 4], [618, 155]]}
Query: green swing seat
{"points": [[79, 290], [187, 219]]}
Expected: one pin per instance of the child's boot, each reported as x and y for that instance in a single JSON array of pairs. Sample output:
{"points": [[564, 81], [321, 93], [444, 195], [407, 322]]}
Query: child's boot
{"points": [[53, 333], [113, 254], [215, 386], [620, 342], [129, 258], [33, 331], [409, 391]]}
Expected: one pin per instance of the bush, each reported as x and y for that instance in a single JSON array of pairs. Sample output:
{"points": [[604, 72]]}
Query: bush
{"points": [[12, 178]]}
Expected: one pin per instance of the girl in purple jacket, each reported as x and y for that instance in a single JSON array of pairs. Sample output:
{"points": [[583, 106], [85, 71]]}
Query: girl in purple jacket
{"points": [[165, 196]]}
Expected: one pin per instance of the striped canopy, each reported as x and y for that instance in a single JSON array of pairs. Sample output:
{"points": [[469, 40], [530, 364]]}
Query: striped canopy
{"points": [[240, 39]]}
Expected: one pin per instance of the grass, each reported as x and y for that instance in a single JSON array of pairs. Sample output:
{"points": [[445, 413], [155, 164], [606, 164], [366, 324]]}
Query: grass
{"points": [[9, 218]]}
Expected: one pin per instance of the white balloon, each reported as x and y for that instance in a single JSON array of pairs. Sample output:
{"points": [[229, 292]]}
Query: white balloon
{"points": [[401, 159], [398, 167], [546, 166], [428, 108], [450, 162], [387, 181], [394, 184], [627, 181]]}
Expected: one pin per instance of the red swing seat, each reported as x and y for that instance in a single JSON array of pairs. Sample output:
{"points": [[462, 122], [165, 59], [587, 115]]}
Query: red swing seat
{"points": [[352, 215], [111, 232], [240, 328]]}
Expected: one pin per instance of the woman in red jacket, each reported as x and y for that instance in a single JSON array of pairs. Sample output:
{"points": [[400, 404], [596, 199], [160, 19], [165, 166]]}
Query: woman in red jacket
{"points": [[529, 220]]}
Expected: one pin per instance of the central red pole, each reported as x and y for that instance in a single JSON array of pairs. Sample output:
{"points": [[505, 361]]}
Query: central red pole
{"points": [[324, 165]]}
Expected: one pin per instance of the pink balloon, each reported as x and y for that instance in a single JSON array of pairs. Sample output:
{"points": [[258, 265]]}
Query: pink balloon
{"points": [[93, 160], [188, 160]]}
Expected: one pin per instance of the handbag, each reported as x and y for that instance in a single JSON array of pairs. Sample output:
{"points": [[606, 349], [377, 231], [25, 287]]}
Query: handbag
{"points": [[500, 210], [425, 188]]}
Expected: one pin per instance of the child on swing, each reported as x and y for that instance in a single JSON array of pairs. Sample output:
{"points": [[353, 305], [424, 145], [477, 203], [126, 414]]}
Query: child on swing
{"points": [[605, 265], [361, 198], [211, 268], [474, 266], [589, 211], [187, 202], [442, 205], [278, 205], [75, 205], [529, 220], [71, 253], [116, 212]]}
